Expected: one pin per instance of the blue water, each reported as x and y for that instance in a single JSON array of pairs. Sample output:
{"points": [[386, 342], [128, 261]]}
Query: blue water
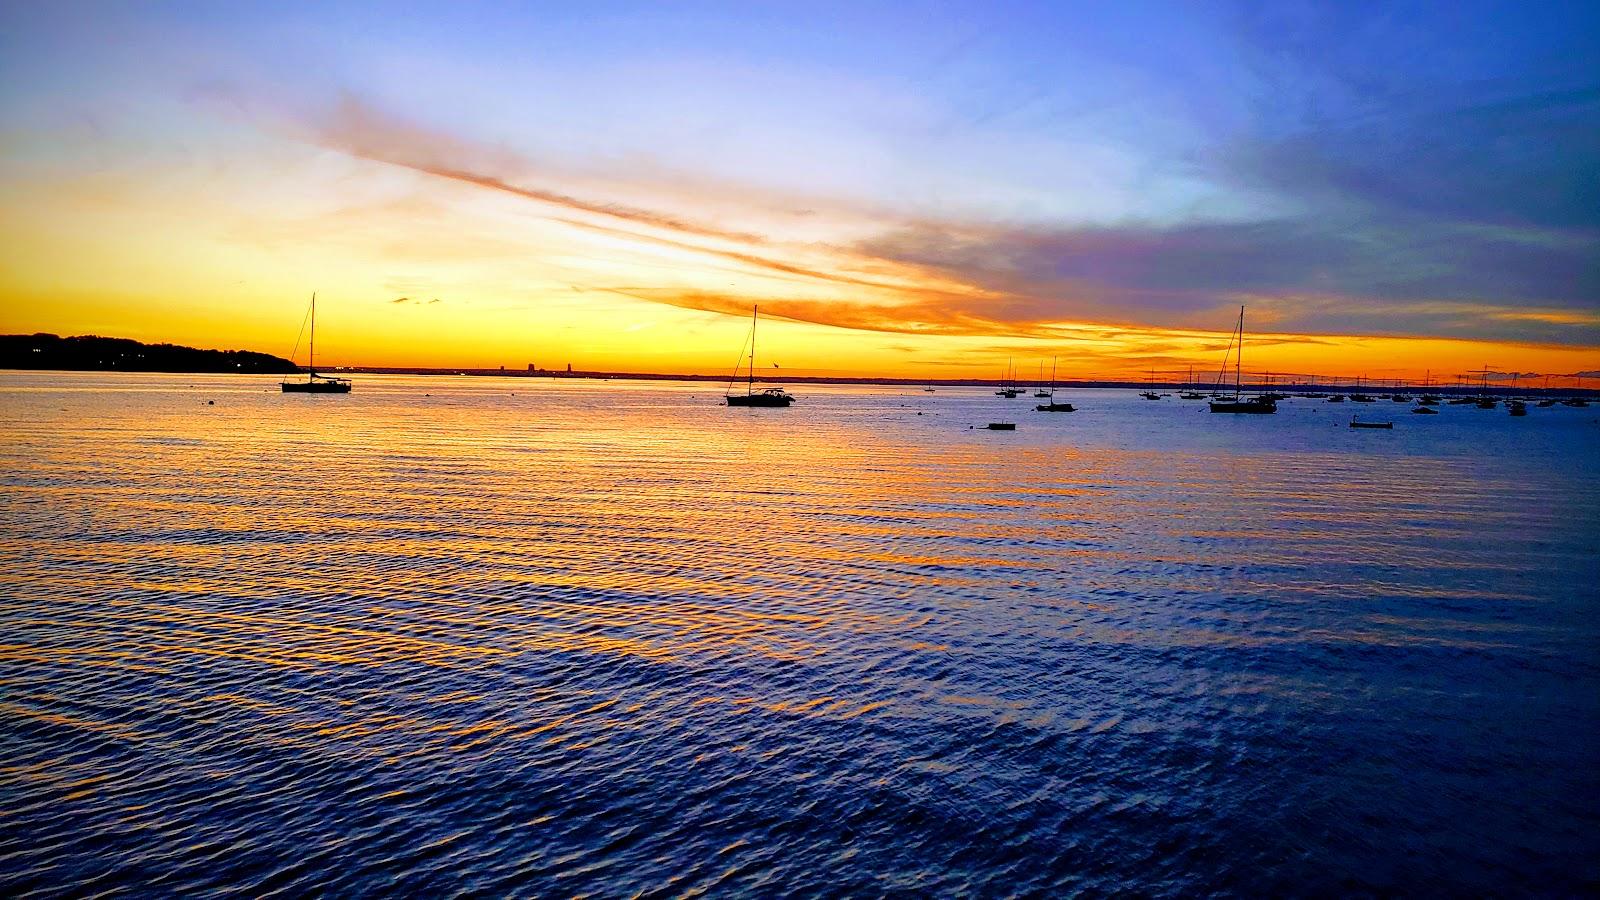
{"points": [[454, 636]]}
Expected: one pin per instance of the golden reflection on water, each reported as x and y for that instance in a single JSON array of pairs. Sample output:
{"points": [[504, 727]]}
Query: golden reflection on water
{"points": [[577, 568]]}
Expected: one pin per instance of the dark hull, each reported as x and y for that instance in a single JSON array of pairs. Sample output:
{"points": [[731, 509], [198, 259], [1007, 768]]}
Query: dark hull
{"points": [[765, 400], [316, 387], [1243, 406], [1371, 424], [1055, 407]]}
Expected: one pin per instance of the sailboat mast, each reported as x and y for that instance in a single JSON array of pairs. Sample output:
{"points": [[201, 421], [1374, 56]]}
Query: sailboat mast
{"points": [[313, 352], [1238, 357], [754, 311]]}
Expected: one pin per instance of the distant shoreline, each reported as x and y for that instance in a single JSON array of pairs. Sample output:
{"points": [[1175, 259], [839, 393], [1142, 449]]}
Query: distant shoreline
{"points": [[90, 353], [1027, 387]]}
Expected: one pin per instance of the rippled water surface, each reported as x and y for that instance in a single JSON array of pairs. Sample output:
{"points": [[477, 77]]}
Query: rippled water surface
{"points": [[505, 636]]}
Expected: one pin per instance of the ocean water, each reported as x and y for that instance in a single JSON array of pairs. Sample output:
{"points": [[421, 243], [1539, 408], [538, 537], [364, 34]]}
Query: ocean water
{"points": [[482, 636]]}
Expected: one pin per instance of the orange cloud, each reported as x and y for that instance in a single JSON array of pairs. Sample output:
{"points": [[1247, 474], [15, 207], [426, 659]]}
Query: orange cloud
{"points": [[940, 278]]}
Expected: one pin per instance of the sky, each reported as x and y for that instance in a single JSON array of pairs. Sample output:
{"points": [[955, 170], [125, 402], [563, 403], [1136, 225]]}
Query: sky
{"points": [[914, 190]]}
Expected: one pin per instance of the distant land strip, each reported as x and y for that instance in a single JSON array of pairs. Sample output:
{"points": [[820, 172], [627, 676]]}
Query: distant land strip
{"points": [[1025, 386], [91, 353]]}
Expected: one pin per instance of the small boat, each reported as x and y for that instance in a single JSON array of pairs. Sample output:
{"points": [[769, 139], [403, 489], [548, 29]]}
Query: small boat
{"points": [[1191, 393], [769, 398], [1545, 403], [1253, 405], [1487, 402], [1428, 398], [1008, 383], [1151, 393], [1335, 398], [1575, 402], [1517, 408], [1355, 424], [1424, 411], [1052, 406], [1361, 398], [1400, 398], [1258, 405], [1460, 401], [1001, 426], [1041, 392], [315, 383]]}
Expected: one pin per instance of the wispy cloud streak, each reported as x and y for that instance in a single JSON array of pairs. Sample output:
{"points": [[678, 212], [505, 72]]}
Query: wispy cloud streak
{"points": [[1346, 264]]}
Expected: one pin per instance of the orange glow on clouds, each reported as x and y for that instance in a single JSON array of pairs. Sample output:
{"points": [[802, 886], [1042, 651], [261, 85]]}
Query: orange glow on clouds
{"points": [[428, 252]]}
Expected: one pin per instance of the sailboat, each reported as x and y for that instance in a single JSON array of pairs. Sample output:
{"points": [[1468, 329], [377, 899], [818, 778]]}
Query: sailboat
{"points": [[1484, 400], [1191, 393], [1429, 398], [1041, 392], [1052, 405], [768, 397], [1151, 394], [1238, 405], [314, 383], [1008, 383]]}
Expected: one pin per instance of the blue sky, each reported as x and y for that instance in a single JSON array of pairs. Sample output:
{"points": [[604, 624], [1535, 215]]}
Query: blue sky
{"points": [[1355, 168]]}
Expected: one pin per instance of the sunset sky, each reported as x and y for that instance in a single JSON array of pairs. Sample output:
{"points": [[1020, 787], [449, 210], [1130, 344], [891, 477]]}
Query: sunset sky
{"points": [[908, 190]]}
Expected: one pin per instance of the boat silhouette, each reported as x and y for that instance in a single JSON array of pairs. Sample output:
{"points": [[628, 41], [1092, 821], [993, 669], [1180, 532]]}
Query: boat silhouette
{"points": [[771, 397], [1238, 404], [315, 383], [1052, 406]]}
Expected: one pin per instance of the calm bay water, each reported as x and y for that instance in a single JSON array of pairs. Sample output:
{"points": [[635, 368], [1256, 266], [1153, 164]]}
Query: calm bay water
{"points": [[503, 636]]}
